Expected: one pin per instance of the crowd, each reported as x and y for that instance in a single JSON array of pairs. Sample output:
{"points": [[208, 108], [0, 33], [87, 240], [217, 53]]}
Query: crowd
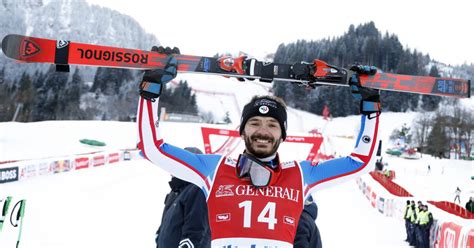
{"points": [[418, 221]]}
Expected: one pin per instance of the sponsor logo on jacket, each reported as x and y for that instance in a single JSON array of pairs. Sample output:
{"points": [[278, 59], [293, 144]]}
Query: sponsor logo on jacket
{"points": [[224, 190], [289, 220], [223, 217], [249, 190]]}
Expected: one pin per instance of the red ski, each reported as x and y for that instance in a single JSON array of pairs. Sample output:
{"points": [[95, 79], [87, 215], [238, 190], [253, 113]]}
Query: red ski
{"points": [[64, 53]]}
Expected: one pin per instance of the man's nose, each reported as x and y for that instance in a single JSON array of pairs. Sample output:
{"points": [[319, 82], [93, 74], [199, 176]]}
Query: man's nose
{"points": [[263, 130]]}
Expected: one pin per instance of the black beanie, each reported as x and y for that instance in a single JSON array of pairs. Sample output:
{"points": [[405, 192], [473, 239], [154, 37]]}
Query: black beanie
{"points": [[266, 107]]}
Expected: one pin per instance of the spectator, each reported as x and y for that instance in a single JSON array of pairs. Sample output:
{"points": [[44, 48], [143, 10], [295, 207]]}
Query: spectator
{"points": [[458, 195], [184, 223], [424, 225], [418, 229], [307, 233], [413, 216], [406, 217], [379, 164], [470, 205]]}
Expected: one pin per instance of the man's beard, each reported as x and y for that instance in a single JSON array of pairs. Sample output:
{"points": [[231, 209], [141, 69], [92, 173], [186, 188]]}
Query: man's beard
{"points": [[251, 150]]}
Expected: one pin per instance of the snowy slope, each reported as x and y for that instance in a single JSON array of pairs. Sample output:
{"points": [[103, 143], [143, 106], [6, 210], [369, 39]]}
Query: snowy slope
{"points": [[121, 205]]}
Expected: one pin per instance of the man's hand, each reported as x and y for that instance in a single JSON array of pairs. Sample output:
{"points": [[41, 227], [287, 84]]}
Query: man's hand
{"points": [[369, 98], [153, 81]]}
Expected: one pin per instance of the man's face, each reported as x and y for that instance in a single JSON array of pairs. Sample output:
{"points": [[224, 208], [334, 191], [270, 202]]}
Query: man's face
{"points": [[262, 136]]}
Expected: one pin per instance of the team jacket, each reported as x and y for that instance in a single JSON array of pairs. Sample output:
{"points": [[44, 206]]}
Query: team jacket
{"points": [[241, 215]]}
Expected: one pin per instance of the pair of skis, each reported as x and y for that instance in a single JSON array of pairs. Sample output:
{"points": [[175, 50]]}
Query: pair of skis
{"points": [[64, 53]]}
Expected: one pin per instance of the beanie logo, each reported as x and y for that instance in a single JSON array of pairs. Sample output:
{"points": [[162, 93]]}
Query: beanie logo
{"points": [[263, 109]]}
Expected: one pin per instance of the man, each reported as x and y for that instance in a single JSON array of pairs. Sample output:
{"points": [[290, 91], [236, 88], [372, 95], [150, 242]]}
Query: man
{"points": [[413, 217], [406, 217], [184, 222], [470, 205], [257, 200], [425, 219], [307, 233], [458, 195]]}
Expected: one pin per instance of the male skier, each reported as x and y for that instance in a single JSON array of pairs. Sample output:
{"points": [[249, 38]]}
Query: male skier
{"points": [[256, 200]]}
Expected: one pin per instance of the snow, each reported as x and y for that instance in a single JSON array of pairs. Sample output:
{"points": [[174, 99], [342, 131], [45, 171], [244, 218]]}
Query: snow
{"points": [[120, 205]]}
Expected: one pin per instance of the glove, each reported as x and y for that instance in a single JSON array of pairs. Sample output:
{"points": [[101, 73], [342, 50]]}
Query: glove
{"points": [[154, 80], [369, 98]]}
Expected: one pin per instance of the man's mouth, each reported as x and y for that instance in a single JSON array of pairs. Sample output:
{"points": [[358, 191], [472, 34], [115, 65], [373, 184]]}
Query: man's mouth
{"points": [[262, 141]]}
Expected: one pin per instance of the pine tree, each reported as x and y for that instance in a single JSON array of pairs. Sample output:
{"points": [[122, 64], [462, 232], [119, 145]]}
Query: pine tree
{"points": [[72, 98], [25, 98], [49, 103], [109, 80], [6, 102], [430, 103], [438, 141], [179, 100]]}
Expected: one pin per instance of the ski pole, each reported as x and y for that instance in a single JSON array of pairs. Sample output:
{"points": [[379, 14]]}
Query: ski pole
{"points": [[19, 218], [6, 204]]}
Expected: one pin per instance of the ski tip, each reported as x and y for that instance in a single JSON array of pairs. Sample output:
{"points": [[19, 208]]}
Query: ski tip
{"points": [[10, 45]]}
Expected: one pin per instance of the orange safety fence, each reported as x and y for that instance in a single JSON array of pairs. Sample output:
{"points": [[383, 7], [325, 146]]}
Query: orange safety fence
{"points": [[398, 190]]}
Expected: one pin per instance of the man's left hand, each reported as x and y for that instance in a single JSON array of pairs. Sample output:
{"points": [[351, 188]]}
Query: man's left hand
{"points": [[369, 98]]}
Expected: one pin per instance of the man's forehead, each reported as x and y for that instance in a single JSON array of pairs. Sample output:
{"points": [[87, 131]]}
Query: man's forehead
{"points": [[262, 118]]}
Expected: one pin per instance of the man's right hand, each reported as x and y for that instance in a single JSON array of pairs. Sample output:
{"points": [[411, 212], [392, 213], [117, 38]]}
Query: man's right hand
{"points": [[153, 81]]}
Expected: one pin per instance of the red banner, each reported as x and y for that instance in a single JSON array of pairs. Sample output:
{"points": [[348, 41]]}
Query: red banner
{"points": [[449, 235]]}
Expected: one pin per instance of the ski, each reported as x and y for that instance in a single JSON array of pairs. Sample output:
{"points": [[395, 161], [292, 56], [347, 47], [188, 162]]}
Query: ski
{"points": [[64, 53], [5, 206]]}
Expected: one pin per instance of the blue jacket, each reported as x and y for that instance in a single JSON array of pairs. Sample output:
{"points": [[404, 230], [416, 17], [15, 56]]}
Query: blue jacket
{"points": [[184, 219], [307, 234]]}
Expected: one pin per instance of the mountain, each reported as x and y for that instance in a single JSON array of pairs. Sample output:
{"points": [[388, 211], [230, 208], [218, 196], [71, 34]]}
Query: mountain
{"points": [[43, 94], [74, 20]]}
